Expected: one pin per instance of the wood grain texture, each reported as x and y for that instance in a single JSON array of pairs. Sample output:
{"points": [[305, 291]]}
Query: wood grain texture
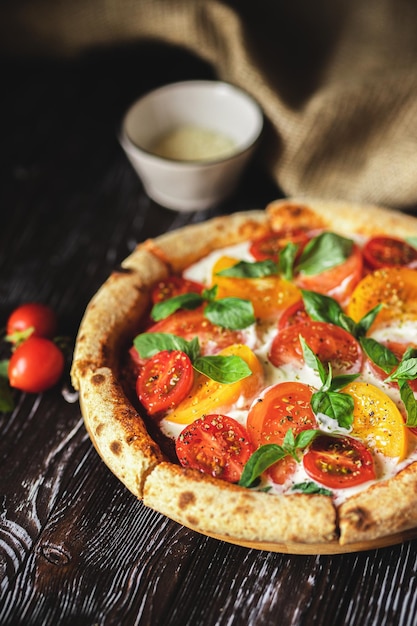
{"points": [[75, 546]]}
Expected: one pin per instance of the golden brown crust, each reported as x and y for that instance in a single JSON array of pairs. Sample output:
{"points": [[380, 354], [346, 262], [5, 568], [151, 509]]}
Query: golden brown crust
{"points": [[120, 436]]}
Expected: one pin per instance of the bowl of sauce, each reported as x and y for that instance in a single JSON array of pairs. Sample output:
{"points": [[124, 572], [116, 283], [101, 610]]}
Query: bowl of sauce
{"points": [[190, 142]]}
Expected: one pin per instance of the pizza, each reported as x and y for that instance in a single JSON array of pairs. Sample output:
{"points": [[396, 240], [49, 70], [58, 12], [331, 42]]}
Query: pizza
{"points": [[253, 377]]}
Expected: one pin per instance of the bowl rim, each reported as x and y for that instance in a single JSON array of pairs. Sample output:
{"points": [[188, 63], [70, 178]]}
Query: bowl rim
{"points": [[129, 144]]}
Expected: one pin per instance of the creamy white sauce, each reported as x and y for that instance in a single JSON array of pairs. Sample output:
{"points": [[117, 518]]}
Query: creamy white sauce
{"points": [[193, 143]]}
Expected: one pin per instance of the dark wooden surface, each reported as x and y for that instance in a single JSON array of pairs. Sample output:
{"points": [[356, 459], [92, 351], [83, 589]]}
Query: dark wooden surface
{"points": [[75, 546]]}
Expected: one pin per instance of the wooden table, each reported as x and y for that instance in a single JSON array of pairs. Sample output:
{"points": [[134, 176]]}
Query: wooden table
{"points": [[75, 546]]}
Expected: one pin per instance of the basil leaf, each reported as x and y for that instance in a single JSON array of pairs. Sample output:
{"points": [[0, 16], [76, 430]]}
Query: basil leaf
{"points": [[6, 394], [287, 259], [407, 370], [336, 405], [251, 269], [321, 308], [412, 241], [410, 403], [163, 309], [210, 294], [310, 487], [338, 382], [379, 354], [324, 252], [313, 361], [4, 367], [366, 322], [232, 313], [259, 461], [223, 369], [305, 437], [148, 344]]}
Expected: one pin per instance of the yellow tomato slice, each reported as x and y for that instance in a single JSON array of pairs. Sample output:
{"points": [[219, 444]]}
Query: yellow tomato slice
{"points": [[377, 420], [208, 396], [395, 287], [269, 295]]}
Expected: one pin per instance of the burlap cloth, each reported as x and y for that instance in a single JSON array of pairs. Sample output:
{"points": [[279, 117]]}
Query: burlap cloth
{"points": [[337, 79]]}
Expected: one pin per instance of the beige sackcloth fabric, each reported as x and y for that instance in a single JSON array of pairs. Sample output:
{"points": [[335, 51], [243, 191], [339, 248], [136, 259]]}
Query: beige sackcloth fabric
{"points": [[336, 79]]}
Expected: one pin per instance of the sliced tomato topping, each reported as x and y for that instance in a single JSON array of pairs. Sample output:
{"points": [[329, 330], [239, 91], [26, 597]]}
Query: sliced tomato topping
{"points": [[394, 287], [283, 406], [294, 314], [337, 282], [329, 342], [339, 462], [269, 295], [383, 251], [190, 324], [270, 246], [174, 286], [164, 381], [217, 445]]}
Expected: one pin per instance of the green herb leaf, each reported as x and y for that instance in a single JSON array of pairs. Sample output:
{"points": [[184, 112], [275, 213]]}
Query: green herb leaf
{"points": [[311, 488], [321, 308], [259, 461], [382, 356], [223, 369], [231, 313], [188, 301], [149, 344], [336, 405], [410, 403], [412, 241], [313, 361], [366, 322], [407, 370], [286, 260], [6, 395], [324, 252], [210, 294], [251, 269]]}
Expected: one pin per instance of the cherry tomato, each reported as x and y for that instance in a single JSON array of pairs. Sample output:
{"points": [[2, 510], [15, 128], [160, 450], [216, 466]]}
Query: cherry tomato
{"points": [[283, 406], [164, 381], [270, 246], [40, 317], [190, 324], [215, 444], [329, 342], [339, 462], [394, 287], [295, 314], [386, 251], [337, 282], [36, 365], [174, 286]]}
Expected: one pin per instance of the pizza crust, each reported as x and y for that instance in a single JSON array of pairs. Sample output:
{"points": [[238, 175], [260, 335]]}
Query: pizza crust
{"points": [[118, 431]]}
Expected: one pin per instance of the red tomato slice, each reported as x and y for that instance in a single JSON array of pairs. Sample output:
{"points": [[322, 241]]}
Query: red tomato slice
{"points": [[217, 445], [36, 365], [385, 251], [337, 282], [164, 381], [190, 324], [329, 342], [295, 314], [270, 246], [174, 286], [339, 462], [283, 406]]}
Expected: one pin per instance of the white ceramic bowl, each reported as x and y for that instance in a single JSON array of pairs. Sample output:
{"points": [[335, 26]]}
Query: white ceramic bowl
{"points": [[199, 183]]}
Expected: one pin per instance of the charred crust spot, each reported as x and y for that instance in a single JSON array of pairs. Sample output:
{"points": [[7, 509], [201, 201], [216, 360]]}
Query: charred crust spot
{"points": [[192, 520], [99, 429], [116, 447], [186, 498], [359, 518], [97, 379], [122, 270]]}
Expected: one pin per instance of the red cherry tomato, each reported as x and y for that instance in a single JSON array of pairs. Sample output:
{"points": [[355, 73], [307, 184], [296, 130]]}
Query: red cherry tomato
{"points": [[174, 286], [36, 365], [337, 282], [270, 246], [217, 445], [283, 406], [190, 324], [40, 317], [164, 381], [329, 342], [385, 251], [295, 314], [339, 462]]}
